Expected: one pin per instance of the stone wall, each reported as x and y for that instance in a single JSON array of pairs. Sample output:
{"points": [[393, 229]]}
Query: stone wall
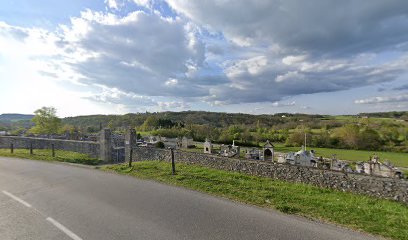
{"points": [[86, 147], [381, 187]]}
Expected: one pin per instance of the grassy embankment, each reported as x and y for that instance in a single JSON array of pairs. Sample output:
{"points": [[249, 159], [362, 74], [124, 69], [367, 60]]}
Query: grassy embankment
{"points": [[45, 154], [376, 216]]}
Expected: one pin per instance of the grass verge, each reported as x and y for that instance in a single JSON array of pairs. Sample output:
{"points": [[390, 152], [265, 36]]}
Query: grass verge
{"points": [[376, 216], [45, 154]]}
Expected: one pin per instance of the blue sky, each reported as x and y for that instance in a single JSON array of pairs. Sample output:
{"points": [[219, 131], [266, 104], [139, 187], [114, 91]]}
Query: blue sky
{"points": [[118, 56]]}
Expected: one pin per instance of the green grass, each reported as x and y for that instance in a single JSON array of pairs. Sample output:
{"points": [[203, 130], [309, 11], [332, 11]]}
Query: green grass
{"points": [[376, 216], [144, 133], [45, 154], [398, 159]]}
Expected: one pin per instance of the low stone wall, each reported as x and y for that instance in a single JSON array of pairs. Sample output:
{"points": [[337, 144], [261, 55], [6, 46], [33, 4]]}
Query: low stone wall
{"points": [[388, 188], [90, 148]]}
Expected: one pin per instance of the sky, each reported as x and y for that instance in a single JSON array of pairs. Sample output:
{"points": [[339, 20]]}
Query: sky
{"points": [[250, 56]]}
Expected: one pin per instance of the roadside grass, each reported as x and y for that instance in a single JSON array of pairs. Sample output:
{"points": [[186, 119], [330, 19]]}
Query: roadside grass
{"points": [[45, 154], [376, 216], [396, 158]]}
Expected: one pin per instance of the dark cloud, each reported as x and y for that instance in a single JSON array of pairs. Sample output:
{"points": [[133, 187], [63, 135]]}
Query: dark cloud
{"points": [[401, 88], [258, 80], [137, 53], [316, 26]]}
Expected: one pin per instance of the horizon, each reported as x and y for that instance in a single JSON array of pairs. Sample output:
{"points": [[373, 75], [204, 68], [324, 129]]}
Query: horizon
{"points": [[115, 57], [278, 113]]}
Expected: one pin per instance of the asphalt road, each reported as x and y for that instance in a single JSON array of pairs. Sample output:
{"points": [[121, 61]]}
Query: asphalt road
{"points": [[41, 200]]}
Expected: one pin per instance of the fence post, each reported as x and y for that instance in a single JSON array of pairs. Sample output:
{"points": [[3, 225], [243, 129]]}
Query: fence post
{"points": [[131, 158], [12, 148], [31, 148], [53, 150], [173, 165], [130, 141]]}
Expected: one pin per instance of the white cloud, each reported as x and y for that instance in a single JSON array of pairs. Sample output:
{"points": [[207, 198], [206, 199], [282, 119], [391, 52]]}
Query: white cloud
{"points": [[171, 82], [220, 52], [173, 105], [139, 52], [281, 104], [144, 3], [294, 75], [119, 61], [289, 60], [116, 96], [383, 99], [114, 4], [252, 66]]}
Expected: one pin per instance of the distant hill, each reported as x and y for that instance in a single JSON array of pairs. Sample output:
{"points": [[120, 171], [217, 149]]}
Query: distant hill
{"points": [[14, 117], [400, 115], [215, 119], [224, 120]]}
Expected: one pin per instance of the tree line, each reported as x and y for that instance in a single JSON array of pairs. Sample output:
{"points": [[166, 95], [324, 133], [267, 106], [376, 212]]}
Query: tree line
{"points": [[349, 132]]}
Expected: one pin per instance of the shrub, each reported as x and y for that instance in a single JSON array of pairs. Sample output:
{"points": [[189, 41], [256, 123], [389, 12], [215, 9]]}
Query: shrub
{"points": [[159, 145]]}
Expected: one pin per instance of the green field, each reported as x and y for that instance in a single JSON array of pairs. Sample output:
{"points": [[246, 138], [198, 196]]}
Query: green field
{"points": [[398, 159], [45, 154], [376, 216]]}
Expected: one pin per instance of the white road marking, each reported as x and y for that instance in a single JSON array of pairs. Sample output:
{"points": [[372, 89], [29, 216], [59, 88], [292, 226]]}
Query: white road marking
{"points": [[64, 229], [17, 199], [51, 220]]}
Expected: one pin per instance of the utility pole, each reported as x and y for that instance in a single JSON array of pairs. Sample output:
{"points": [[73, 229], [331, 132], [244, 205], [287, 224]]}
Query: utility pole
{"points": [[305, 137], [304, 132], [173, 165]]}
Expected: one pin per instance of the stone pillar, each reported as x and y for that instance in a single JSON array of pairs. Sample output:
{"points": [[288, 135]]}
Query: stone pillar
{"points": [[105, 142], [130, 141]]}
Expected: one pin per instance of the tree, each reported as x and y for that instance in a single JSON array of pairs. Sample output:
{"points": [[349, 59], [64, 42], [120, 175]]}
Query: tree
{"points": [[349, 135], [297, 139], [369, 140], [150, 123], [46, 121], [67, 128]]}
